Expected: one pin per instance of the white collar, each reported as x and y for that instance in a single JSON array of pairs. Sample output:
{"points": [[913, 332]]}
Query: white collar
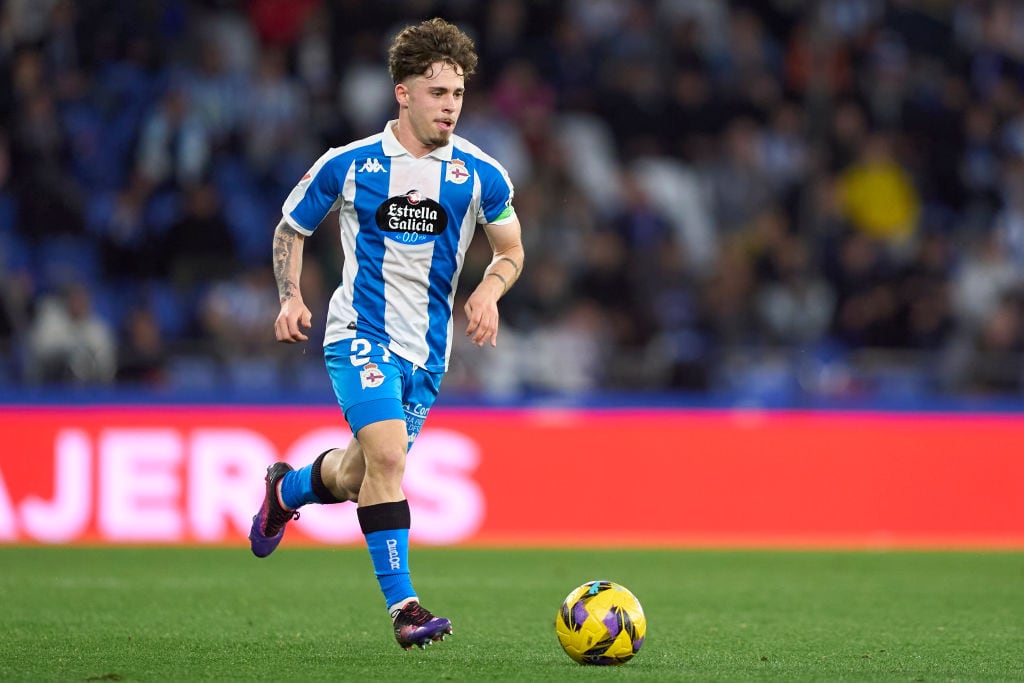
{"points": [[393, 148]]}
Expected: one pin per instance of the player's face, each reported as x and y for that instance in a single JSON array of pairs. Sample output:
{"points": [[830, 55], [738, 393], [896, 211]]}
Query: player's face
{"points": [[431, 103]]}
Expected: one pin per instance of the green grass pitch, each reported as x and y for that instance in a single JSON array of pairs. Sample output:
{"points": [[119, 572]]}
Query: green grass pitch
{"points": [[180, 614]]}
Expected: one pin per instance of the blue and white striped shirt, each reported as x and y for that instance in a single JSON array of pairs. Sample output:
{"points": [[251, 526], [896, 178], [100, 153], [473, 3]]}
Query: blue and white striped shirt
{"points": [[405, 226]]}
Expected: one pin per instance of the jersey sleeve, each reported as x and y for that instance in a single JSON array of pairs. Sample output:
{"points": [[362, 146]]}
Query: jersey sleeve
{"points": [[316, 194], [496, 194]]}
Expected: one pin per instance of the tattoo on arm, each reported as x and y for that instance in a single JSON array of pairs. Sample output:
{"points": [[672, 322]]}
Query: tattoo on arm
{"points": [[284, 247], [512, 261], [504, 282]]}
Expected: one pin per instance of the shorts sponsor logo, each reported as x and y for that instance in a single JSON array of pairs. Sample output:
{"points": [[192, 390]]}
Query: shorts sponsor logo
{"points": [[419, 410], [371, 376], [415, 416]]}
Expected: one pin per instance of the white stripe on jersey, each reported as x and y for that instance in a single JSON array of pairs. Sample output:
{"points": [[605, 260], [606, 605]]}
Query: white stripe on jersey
{"points": [[340, 311], [407, 297]]}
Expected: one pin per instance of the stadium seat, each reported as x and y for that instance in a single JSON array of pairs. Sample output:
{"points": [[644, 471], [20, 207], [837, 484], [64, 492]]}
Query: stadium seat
{"points": [[65, 259]]}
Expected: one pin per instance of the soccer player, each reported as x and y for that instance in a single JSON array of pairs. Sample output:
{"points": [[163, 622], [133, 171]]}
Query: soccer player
{"points": [[409, 200]]}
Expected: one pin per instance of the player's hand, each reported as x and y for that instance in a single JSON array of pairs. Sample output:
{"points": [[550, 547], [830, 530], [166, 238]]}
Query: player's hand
{"points": [[294, 314], [482, 310]]}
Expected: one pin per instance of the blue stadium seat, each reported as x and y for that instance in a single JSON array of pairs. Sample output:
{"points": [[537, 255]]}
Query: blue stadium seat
{"points": [[232, 176], [99, 212], [65, 259], [162, 210], [251, 223], [15, 253], [172, 312], [110, 302], [194, 372], [253, 374]]}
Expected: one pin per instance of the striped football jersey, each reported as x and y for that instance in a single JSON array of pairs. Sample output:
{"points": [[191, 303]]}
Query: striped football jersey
{"points": [[406, 224]]}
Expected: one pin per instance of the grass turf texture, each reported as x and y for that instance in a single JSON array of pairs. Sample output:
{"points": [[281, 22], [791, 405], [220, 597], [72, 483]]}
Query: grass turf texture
{"points": [[74, 614]]}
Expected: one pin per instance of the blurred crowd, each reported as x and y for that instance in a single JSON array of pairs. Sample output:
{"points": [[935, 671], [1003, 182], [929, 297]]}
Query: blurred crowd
{"points": [[776, 198]]}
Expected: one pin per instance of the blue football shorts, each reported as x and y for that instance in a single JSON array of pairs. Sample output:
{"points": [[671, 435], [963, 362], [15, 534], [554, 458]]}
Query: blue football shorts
{"points": [[373, 384]]}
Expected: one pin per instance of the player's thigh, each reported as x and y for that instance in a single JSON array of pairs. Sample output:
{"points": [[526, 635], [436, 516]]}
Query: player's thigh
{"points": [[384, 443]]}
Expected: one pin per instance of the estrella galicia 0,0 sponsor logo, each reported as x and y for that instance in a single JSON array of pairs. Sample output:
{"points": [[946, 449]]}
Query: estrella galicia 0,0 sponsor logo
{"points": [[412, 218]]}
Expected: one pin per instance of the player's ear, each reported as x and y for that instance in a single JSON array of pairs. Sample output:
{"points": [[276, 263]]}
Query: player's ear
{"points": [[402, 95]]}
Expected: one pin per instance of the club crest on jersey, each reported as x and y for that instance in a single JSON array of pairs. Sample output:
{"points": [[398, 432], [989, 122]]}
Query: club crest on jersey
{"points": [[456, 172], [411, 218], [371, 376]]}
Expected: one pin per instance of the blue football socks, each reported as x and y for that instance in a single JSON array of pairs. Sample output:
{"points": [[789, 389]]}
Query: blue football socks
{"points": [[386, 527], [389, 551], [297, 488], [305, 485]]}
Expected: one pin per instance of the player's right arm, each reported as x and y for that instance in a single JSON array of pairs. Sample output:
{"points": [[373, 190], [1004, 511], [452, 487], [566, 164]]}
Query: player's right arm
{"points": [[287, 270]]}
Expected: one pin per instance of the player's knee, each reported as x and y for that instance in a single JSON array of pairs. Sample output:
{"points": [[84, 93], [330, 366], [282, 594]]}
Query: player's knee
{"points": [[388, 462]]}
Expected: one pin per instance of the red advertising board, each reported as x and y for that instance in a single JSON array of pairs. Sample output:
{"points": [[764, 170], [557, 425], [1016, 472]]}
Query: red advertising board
{"points": [[164, 475]]}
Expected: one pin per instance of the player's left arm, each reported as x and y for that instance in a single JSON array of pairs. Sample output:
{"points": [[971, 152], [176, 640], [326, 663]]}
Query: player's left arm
{"points": [[505, 267]]}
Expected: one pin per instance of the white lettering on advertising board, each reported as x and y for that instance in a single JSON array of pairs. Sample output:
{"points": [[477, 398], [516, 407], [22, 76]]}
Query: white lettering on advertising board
{"points": [[163, 485]]}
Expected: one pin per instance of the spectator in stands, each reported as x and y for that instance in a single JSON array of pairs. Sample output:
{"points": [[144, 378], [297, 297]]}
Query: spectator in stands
{"points": [[739, 185], [68, 342], [573, 354], [118, 221], [727, 298], [142, 356], [280, 22], [887, 120], [984, 275], [216, 94], [273, 118], [795, 305], [979, 165], [199, 246], [866, 303], [925, 294], [16, 300], [878, 194], [233, 314], [366, 103], [175, 145], [679, 354], [48, 197], [693, 116], [990, 360]]}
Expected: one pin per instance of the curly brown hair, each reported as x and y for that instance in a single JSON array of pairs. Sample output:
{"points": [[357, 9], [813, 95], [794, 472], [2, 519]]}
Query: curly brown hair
{"points": [[434, 40]]}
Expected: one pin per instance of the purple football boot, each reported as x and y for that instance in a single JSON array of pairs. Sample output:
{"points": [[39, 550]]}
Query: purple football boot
{"points": [[414, 625], [268, 524]]}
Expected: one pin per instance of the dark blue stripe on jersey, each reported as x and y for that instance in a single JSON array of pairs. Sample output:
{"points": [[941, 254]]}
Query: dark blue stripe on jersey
{"points": [[455, 199], [371, 192], [494, 190], [322, 192]]}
